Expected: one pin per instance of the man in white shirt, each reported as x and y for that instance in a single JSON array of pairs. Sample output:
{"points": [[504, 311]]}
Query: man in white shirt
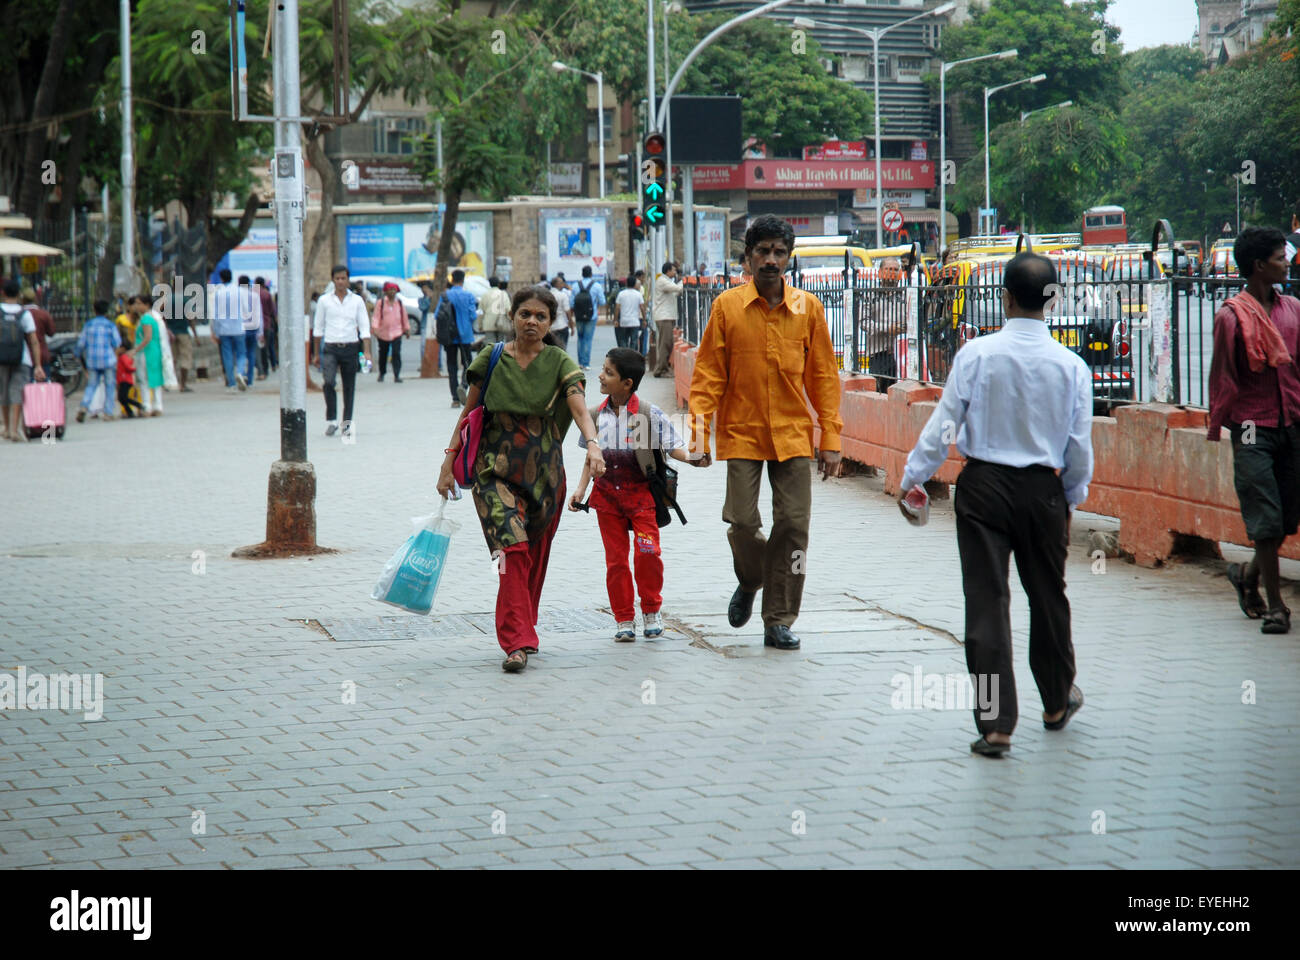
{"points": [[629, 306], [342, 323], [250, 311], [1018, 404], [667, 289], [563, 324]]}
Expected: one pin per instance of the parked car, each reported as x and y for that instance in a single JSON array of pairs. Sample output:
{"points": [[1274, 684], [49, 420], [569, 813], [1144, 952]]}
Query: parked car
{"points": [[407, 292]]}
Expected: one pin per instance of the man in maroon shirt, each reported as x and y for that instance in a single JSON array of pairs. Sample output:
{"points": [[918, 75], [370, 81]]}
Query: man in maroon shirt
{"points": [[1255, 391], [44, 325]]}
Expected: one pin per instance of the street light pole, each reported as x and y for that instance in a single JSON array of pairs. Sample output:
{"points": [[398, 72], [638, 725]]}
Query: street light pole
{"points": [[128, 157], [599, 77], [874, 36], [988, 92], [943, 134], [291, 489], [1024, 114]]}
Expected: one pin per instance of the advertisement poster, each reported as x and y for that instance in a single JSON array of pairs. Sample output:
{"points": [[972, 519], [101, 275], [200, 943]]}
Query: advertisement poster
{"points": [[255, 257], [711, 243], [573, 242], [410, 250]]}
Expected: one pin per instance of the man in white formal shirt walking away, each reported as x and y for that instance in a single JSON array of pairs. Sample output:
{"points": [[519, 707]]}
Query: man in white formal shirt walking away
{"points": [[340, 331], [1018, 404]]}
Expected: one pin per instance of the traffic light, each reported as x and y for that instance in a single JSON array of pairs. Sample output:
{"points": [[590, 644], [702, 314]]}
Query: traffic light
{"points": [[654, 174], [635, 225]]}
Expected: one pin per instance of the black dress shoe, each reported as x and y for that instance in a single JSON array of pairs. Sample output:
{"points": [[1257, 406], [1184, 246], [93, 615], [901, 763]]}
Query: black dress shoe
{"points": [[779, 636], [741, 606]]}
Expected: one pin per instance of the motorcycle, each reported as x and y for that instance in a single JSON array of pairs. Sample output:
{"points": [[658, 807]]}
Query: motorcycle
{"points": [[66, 368]]}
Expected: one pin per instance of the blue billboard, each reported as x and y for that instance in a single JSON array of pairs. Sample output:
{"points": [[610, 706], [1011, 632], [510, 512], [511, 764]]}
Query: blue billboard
{"points": [[374, 248]]}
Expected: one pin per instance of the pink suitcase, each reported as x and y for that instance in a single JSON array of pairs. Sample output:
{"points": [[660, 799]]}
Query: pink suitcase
{"points": [[43, 408]]}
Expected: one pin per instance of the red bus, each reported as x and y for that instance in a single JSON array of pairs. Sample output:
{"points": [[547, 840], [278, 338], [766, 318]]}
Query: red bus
{"points": [[1104, 225]]}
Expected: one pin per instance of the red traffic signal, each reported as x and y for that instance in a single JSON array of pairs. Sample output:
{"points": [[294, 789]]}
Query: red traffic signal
{"points": [[636, 220], [655, 145]]}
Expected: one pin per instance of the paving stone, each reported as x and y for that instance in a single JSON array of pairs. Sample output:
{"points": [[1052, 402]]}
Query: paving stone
{"points": [[217, 700]]}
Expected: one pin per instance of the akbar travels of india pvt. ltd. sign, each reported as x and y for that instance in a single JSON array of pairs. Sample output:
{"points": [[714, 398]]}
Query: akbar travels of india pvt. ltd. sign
{"points": [[771, 174]]}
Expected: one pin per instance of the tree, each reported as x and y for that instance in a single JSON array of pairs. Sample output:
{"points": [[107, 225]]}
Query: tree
{"points": [[1073, 45], [788, 99], [1058, 161]]}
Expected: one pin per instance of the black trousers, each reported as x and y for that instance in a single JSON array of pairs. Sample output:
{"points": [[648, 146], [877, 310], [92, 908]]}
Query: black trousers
{"points": [[1000, 511], [124, 398], [457, 354], [339, 358], [384, 347]]}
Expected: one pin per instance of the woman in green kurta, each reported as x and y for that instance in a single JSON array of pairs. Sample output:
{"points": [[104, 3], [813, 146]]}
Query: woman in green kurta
{"points": [[148, 341], [536, 392]]}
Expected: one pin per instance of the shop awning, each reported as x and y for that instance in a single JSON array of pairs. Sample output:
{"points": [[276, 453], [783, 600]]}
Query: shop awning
{"points": [[13, 247]]}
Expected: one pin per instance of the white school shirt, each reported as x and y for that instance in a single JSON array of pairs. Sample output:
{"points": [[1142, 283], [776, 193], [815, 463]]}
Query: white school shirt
{"points": [[629, 302]]}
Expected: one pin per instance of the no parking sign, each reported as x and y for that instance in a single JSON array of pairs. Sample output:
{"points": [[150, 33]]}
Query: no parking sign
{"points": [[892, 220]]}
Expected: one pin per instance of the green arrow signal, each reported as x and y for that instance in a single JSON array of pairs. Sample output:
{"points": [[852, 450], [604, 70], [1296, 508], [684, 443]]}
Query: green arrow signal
{"points": [[653, 214], [653, 190]]}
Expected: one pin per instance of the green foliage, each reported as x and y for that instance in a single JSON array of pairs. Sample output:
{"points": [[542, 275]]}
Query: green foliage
{"points": [[789, 99], [1052, 38], [1171, 63], [1058, 161]]}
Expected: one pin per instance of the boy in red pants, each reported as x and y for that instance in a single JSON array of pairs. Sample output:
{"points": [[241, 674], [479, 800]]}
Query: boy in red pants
{"points": [[622, 497]]}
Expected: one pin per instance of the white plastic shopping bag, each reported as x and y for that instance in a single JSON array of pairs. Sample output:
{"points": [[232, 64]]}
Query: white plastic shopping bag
{"points": [[410, 578]]}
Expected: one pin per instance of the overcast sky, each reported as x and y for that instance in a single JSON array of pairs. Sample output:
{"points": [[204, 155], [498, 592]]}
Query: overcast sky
{"points": [[1149, 23]]}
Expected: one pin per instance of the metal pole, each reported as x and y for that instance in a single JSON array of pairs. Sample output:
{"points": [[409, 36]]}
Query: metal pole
{"points": [[875, 96], [688, 220], [600, 127], [943, 160], [290, 216], [291, 488], [987, 202], [128, 158], [653, 236], [668, 152]]}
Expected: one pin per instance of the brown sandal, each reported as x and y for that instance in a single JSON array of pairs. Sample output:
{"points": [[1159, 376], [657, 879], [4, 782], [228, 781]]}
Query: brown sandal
{"points": [[515, 662]]}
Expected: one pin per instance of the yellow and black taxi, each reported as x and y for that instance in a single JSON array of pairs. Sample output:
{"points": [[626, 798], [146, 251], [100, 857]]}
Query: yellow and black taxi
{"points": [[1086, 315]]}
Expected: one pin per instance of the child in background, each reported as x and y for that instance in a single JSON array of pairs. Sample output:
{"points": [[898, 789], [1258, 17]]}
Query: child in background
{"points": [[622, 497], [125, 381]]}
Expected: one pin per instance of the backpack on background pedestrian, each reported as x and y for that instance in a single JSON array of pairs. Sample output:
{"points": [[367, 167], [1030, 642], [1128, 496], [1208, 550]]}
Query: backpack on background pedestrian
{"points": [[628, 500], [588, 298], [18, 347]]}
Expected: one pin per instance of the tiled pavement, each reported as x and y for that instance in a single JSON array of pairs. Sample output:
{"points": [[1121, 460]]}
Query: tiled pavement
{"points": [[225, 693]]}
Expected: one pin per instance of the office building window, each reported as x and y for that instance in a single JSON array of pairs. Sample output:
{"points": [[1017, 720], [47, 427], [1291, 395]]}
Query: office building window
{"points": [[396, 135], [608, 116]]}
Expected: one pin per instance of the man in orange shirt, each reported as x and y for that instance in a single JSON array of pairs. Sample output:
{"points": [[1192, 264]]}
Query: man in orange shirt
{"points": [[765, 353]]}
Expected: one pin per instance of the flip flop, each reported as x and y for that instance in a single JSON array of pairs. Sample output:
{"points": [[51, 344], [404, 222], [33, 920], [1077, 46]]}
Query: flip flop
{"points": [[986, 749], [1072, 706], [1248, 598], [1277, 621], [515, 662]]}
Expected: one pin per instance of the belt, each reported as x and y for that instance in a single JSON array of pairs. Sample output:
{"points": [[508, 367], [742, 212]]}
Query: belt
{"points": [[343, 343], [1032, 468]]}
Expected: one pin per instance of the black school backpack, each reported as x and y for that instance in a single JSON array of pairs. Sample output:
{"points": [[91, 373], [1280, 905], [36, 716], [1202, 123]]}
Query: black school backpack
{"points": [[584, 305], [11, 338]]}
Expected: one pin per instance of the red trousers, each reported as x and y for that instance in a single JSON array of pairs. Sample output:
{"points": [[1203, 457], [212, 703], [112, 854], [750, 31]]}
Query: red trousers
{"points": [[522, 573], [615, 524]]}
